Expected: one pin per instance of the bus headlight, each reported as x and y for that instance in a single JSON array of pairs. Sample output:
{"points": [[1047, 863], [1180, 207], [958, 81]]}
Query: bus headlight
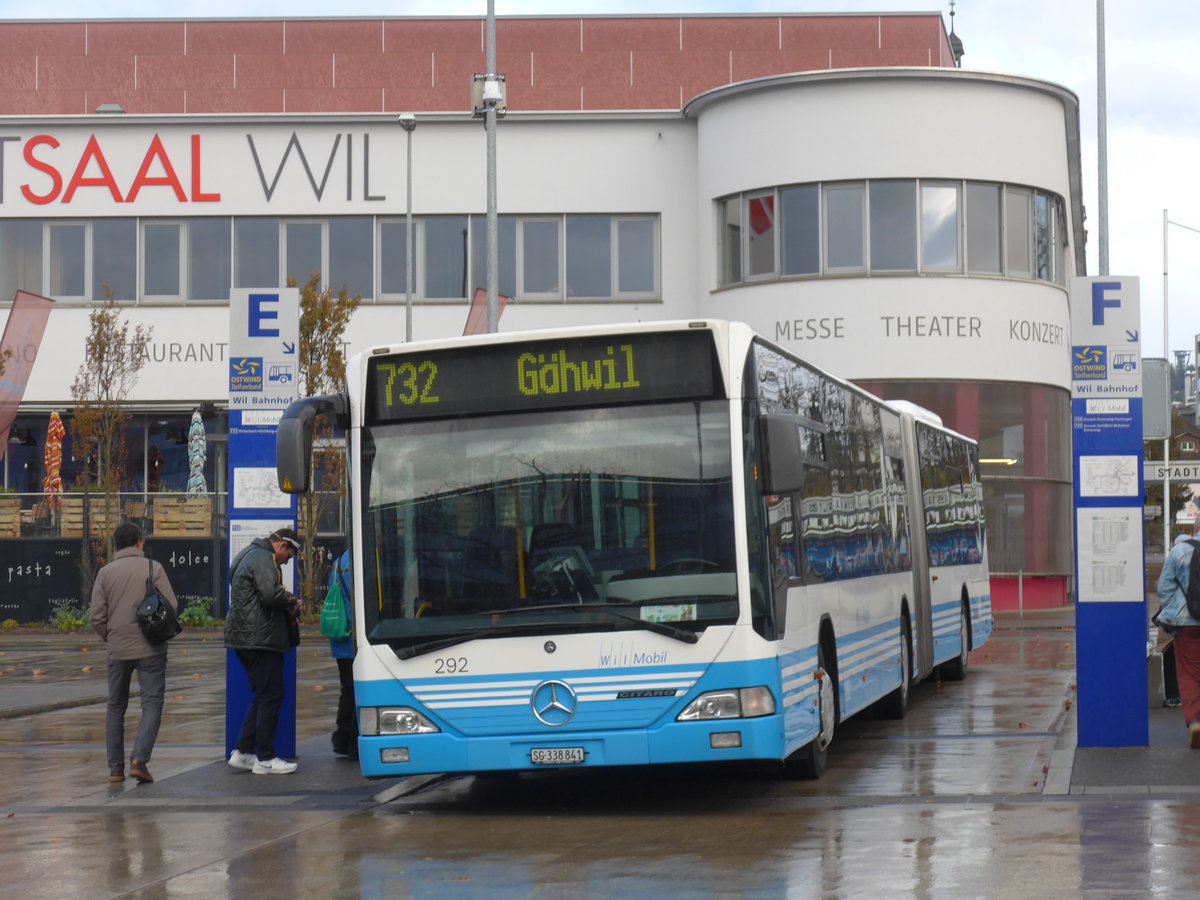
{"points": [[373, 720], [745, 703]]}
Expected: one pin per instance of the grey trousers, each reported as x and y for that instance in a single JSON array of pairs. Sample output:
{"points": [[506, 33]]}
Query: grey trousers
{"points": [[152, 682]]}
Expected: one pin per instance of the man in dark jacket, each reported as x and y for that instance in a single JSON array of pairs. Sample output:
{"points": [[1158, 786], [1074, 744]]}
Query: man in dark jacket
{"points": [[119, 589], [256, 629]]}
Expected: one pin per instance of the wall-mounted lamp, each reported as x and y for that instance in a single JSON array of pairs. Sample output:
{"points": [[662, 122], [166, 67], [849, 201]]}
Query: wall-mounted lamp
{"points": [[109, 109], [998, 462]]}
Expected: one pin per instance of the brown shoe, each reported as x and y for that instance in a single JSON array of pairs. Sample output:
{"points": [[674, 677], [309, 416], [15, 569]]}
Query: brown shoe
{"points": [[116, 777], [140, 772], [1194, 735]]}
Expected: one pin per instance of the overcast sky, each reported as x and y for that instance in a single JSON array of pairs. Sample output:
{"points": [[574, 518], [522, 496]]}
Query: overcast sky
{"points": [[1153, 99]]}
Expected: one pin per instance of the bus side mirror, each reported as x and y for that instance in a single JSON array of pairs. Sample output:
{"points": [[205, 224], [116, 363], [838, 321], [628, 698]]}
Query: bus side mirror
{"points": [[294, 438], [782, 460]]}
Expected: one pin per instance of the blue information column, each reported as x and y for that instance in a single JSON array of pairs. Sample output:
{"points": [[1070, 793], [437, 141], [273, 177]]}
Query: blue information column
{"points": [[264, 339], [1106, 411]]}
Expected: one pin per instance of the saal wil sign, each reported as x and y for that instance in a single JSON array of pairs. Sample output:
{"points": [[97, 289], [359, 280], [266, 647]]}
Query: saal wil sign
{"points": [[171, 169]]}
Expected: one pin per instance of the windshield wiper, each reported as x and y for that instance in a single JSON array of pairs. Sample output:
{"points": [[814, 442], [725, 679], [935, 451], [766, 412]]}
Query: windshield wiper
{"points": [[441, 643], [679, 634]]}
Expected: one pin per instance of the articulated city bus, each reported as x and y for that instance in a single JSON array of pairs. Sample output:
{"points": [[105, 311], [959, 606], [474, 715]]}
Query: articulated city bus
{"points": [[653, 543]]}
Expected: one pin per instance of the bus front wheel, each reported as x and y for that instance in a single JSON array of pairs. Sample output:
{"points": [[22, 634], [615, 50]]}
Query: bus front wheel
{"points": [[809, 762]]}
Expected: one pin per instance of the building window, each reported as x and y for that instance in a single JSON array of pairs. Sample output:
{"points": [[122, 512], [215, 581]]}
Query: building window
{"points": [[940, 240], [760, 235], [1018, 232], [983, 228], [731, 241], [393, 260], [256, 253], [162, 259], [892, 226], [543, 257], [589, 256], [637, 252], [351, 256], [506, 255], [800, 241], [538, 251], [67, 260], [114, 259], [844, 228], [1187, 446], [20, 256], [445, 256], [210, 259], [303, 251]]}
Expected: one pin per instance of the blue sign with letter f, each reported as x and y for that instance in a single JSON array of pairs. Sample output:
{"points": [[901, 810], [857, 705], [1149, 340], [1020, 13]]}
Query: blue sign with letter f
{"points": [[1100, 302]]}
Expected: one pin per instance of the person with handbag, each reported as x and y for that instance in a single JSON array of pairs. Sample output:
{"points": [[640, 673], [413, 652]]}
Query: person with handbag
{"points": [[341, 648], [119, 589], [257, 630], [1176, 618]]}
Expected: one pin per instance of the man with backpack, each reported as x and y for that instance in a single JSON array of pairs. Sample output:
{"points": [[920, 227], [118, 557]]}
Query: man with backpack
{"points": [[1179, 594]]}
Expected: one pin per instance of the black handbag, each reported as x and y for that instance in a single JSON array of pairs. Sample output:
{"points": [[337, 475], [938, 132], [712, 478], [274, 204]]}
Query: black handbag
{"points": [[155, 615], [293, 623]]}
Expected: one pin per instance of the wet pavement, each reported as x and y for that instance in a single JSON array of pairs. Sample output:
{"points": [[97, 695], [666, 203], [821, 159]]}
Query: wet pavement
{"points": [[979, 792]]}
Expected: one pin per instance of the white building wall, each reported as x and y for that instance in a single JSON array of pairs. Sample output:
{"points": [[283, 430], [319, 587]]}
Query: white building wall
{"points": [[856, 125], [892, 124]]}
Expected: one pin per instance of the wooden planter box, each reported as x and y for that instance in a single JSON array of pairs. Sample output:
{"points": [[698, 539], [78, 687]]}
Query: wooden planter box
{"points": [[10, 517], [182, 516], [99, 523]]}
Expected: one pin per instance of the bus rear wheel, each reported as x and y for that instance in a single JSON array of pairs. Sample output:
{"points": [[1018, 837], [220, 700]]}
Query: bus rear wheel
{"points": [[956, 669], [895, 704]]}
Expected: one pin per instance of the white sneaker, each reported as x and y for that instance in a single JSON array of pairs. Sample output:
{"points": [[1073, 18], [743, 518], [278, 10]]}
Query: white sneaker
{"points": [[274, 766], [240, 760]]}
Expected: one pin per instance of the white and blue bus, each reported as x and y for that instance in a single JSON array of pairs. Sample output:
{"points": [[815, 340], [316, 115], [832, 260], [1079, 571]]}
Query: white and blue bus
{"points": [[653, 543]]}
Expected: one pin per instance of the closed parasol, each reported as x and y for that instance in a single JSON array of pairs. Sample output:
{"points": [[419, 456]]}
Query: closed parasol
{"points": [[197, 454], [52, 481]]}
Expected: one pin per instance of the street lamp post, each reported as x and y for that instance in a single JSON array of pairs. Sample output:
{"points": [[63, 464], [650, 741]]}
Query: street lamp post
{"points": [[409, 123], [1166, 355]]}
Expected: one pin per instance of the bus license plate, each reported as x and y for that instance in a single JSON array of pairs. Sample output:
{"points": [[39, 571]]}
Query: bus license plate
{"points": [[556, 756]]}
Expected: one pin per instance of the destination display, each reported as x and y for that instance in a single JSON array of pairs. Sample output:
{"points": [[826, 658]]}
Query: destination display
{"points": [[589, 371]]}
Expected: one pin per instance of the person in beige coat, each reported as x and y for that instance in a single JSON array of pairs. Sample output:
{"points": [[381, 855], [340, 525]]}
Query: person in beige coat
{"points": [[119, 589]]}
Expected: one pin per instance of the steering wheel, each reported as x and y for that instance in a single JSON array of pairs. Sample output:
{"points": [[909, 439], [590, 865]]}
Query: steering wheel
{"points": [[688, 565]]}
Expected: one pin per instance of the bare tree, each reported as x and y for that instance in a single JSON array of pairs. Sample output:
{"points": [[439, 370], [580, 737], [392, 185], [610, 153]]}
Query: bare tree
{"points": [[324, 316], [113, 356]]}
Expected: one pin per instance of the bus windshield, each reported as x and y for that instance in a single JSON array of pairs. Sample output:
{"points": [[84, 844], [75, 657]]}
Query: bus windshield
{"points": [[561, 521]]}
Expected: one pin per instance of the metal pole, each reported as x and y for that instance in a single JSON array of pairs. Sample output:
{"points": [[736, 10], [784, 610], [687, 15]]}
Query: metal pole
{"points": [[1167, 441], [1102, 137], [489, 124], [408, 244], [409, 123]]}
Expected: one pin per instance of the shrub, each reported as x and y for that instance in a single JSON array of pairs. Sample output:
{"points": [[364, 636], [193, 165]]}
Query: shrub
{"points": [[68, 618], [9, 624], [198, 613]]}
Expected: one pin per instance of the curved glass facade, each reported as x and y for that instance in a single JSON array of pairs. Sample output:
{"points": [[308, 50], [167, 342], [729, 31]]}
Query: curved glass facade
{"points": [[891, 227], [1024, 434]]}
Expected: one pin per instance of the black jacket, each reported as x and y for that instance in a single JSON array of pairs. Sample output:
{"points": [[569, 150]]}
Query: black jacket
{"points": [[258, 602]]}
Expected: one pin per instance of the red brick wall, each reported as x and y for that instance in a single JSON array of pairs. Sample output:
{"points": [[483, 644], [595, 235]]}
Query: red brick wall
{"points": [[422, 65]]}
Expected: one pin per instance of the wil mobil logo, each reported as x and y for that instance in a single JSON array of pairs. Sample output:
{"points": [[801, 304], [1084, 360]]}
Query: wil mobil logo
{"points": [[246, 373]]}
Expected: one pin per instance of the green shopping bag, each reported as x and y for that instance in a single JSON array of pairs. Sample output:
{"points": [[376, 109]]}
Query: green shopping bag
{"points": [[334, 624]]}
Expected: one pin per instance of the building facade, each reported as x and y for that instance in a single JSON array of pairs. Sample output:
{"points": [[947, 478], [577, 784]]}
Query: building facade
{"points": [[833, 180]]}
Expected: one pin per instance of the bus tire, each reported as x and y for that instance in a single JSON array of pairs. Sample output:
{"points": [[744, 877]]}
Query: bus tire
{"points": [[809, 761], [895, 704], [956, 669]]}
